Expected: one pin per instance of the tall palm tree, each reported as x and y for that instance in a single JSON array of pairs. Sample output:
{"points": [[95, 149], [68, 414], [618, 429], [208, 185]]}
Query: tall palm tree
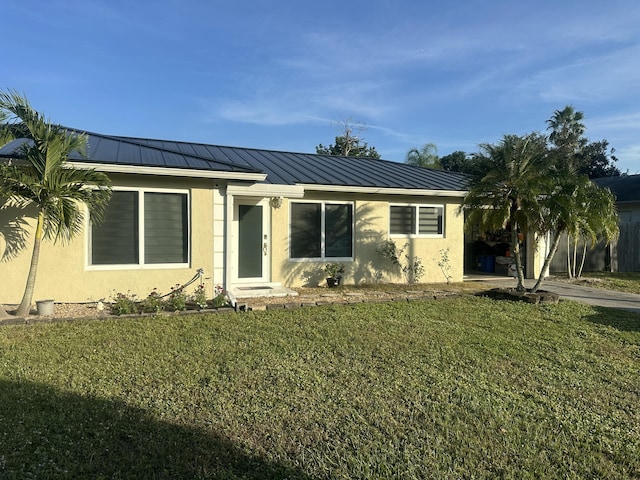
{"points": [[47, 181], [426, 156], [508, 191], [567, 135], [579, 208]]}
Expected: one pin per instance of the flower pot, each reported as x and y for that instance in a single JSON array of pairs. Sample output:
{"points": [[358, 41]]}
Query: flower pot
{"points": [[45, 307], [333, 282]]}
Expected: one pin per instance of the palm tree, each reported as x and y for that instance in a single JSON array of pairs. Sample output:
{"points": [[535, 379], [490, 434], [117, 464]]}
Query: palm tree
{"points": [[508, 191], [567, 135], [579, 208], [427, 156], [48, 182]]}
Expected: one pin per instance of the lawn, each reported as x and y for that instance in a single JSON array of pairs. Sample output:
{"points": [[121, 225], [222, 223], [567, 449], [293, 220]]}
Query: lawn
{"points": [[623, 282], [452, 388]]}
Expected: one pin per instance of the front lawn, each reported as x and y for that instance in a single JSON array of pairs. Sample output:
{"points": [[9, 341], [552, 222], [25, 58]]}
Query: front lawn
{"points": [[451, 388], [622, 282]]}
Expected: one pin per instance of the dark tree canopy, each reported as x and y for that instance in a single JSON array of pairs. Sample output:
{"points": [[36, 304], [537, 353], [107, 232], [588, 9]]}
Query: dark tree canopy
{"points": [[597, 160], [571, 149], [348, 147], [350, 142], [455, 162]]}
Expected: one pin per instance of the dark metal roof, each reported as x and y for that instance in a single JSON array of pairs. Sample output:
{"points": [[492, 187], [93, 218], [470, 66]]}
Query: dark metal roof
{"points": [[282, 168], [626, 188]]}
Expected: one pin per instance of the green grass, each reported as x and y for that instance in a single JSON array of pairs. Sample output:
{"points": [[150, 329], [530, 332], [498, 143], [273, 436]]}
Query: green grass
{"points": [[623, 282], [453, 388]]}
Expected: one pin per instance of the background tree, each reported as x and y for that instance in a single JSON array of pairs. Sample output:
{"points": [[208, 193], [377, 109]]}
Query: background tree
{"points": [[574, 156], [426, 156], [455, 162], [46, 181], [350, 143], [597, 160], [507, 192], [567, 135]]}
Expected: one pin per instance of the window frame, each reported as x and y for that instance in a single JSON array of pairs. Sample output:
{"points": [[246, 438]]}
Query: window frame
{"points": [[141, 265], [323, 246], [416, 214]]}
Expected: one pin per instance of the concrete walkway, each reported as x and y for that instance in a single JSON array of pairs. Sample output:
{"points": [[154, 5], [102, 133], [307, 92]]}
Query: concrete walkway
{"points": [[568, 291]]}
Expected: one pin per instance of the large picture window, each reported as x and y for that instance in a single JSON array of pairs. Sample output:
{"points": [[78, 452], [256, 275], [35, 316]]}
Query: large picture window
{"points": [[426, 220], [321, 230], [142, 228]]}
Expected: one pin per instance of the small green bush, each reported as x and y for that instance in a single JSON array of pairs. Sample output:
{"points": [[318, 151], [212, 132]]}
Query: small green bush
{"points": [[153, 303], [177, 300], [200, 297], [220, 297], [124, 303]]}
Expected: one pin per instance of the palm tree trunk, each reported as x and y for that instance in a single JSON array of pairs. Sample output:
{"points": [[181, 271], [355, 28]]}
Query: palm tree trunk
{"points": [[25, 304], [568, 256], [516, 255], [575, 256], [584, 257], [547, 261]]}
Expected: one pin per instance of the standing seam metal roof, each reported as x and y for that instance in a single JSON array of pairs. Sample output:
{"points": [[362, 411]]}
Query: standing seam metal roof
{"points": [[284, 168]]}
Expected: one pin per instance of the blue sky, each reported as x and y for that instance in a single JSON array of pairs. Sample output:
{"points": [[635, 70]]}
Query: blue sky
{"points": [[280, 74]]}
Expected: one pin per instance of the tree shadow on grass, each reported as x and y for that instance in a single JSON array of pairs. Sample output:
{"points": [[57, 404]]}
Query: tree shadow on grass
{"points": [[51, 434], [621, 320]]}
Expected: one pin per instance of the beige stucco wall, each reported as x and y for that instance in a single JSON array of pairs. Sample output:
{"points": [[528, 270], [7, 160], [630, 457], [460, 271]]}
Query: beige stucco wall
{"points": [[371, 227], [63, 273], [65, 276]]}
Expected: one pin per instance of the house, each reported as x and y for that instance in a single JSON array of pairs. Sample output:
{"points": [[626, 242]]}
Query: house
{"points": [[623, 254], [626, 189], [246, 217]]}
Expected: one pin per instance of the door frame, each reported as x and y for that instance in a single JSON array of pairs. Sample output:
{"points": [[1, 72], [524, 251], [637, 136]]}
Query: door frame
{"points": [[234, 246]]}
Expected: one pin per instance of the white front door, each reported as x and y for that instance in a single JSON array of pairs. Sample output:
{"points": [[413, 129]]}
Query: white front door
{"points": [[253, 247]]}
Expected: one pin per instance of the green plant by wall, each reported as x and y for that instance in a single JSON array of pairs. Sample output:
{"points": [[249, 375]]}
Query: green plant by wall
{"points": [[200, 297], [220, 297], [153, 303], [123, 303], [410, 265], [333, 270], [445, 264], [177, 300]]}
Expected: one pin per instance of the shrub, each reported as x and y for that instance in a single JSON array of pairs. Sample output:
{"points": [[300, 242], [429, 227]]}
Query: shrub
{"points": [[123, 303], [411, 266], [333, 270], [220, 297], [177, 300], [445, 265], [200, 297], [153, 303]]}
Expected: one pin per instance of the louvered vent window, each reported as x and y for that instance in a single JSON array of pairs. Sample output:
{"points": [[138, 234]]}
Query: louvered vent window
{"points": [[421, 220]]}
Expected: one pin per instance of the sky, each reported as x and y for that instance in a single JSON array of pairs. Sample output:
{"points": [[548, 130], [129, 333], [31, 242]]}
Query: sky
{"points": [[284, 74]]}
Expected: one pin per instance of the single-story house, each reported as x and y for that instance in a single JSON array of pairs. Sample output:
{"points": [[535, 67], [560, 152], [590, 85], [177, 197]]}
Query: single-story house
{"points": [[626, 189], [246, 217], [623, 255]]}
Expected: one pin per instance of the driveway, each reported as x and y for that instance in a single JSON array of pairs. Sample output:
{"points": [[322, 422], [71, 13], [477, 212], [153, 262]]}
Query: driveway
{"points": [[589, 295]]}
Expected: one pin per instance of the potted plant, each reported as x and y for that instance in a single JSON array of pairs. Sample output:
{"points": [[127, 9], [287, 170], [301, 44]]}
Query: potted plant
{"points": [[334, 273]]}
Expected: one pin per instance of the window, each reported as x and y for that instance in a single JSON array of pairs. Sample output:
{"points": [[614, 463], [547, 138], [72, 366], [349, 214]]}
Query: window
{"points": [[416, 220], [160, 235], [321, 230]]}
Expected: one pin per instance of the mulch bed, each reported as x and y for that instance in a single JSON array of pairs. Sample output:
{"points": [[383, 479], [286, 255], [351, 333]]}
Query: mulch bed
{"points": [[541, 296]]}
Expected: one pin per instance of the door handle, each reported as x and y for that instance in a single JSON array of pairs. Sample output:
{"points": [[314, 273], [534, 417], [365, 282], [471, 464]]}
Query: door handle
{"points": [[264, 248]]}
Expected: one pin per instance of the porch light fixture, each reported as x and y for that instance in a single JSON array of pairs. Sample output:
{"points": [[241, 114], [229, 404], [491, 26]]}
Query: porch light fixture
{"points": [[275, 202]]}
